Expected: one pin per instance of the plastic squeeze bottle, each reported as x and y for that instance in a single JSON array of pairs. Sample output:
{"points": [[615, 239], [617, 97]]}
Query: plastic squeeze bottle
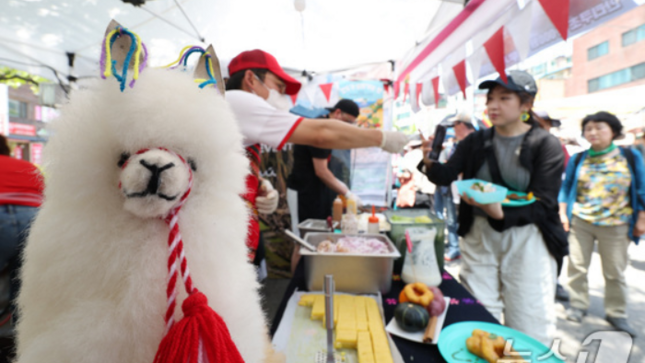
{"points": [[351, 206], [373, 223], [337, 210]]}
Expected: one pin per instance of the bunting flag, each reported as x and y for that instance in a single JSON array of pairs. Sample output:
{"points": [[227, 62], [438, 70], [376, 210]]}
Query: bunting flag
{"points": [[326, 88], [495, 49], [475, 62], [460, 75], [406, 91], [427, 94], [558, 13], [397, 85], [435, 88], [414, 99], [386, 86], [418, 89], [520, 30], [294, 98]]}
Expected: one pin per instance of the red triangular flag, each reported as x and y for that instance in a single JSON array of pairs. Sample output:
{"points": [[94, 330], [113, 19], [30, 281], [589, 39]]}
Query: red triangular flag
{"points": [[326, 88], [558, 12], [406, 91], [397, 85], [435, 89], [495, 49], [418, 90], [386, 84], [294, 98], [460, 74]]}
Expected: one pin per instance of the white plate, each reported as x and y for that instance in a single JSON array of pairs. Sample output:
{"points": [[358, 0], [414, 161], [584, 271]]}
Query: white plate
{"points": [[394, 329]]}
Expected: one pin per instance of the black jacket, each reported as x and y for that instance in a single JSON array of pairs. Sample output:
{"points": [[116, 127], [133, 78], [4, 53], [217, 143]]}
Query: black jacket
{"points": [[541, 154]]}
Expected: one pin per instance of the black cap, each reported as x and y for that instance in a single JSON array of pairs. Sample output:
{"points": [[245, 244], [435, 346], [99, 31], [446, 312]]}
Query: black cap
{"points": [[518, 81], [348, 106], [545, 116]]}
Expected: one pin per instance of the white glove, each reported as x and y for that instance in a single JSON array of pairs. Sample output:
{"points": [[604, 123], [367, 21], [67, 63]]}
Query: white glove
{"points": [[268, 198], [350, 195], [393, 141]]}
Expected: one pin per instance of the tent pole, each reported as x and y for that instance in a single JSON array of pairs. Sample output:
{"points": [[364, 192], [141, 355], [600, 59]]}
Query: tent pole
{"points": [[201, 38], [168, 22]]}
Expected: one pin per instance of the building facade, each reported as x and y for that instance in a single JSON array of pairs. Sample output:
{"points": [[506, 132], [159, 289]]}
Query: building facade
{"points": [[609, 57], [26, 130]]}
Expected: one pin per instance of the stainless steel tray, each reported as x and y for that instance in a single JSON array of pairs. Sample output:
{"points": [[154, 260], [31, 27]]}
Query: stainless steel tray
{"points": [[353, 272], [313, 225]]}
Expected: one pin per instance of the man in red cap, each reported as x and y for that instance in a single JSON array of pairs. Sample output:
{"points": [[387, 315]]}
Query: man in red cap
{"points": [[257, 91]]}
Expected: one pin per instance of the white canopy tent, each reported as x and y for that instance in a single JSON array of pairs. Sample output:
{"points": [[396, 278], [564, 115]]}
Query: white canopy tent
{"points": [[527, 29], [38, 35]]}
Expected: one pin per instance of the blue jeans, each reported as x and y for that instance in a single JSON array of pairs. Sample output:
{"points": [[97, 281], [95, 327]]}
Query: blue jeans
{"points": [[447, 211], [15, 221]]}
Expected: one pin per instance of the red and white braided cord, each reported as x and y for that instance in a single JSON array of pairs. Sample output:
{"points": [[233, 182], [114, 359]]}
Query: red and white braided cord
{"points": [[175, 249], [176, 253]]}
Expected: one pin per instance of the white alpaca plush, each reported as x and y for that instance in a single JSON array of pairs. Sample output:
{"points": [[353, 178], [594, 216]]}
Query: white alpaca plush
{"points": [[95, 269]]}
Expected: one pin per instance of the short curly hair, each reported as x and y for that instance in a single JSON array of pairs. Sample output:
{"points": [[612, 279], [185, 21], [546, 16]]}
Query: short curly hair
{"points": [[606, 117]]}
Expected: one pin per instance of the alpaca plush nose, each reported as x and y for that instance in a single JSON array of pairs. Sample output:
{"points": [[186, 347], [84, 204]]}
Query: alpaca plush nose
{"points": [[153, 182], [155, 170]]}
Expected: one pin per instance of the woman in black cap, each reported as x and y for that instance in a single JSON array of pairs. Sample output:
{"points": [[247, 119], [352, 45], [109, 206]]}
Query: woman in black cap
{"points": [[602, 199], [510, 254]]}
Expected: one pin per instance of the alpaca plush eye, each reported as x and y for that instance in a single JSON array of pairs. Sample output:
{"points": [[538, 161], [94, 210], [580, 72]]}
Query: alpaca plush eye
{"points": [[123, 158], [192, 163]]}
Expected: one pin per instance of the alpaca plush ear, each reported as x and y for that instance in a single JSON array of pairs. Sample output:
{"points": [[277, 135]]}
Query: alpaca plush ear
{"points": [[120, 47], [201, 73]]}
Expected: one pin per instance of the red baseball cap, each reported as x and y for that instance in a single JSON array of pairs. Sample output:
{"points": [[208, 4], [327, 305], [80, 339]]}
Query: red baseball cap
{"points": [[260, 59]]}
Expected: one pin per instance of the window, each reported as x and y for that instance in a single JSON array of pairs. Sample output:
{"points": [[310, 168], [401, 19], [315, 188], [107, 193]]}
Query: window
{"points": [[598, 51], [634, 35], [539, 69], [617, 78], [17, 109]]}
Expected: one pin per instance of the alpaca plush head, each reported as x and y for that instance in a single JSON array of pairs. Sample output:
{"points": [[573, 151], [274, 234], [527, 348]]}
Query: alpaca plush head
{"points": [[154, 181]]}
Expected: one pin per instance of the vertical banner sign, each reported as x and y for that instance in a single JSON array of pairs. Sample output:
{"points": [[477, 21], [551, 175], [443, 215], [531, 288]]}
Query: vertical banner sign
{"points": [[369, 97], [369, 167], [17, 152], [36, 152], [4, 109]]}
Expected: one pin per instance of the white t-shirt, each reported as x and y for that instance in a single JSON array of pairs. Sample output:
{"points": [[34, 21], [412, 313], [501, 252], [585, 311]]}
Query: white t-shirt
{"points": [[259, 122]]}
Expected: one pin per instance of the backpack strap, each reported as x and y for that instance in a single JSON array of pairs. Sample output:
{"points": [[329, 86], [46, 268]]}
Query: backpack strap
{"points": [[629, 155], [577, 159], [631, 160]]}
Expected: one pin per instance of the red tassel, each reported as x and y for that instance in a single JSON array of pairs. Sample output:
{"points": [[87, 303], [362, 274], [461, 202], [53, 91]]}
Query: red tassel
{"points": [[201, 336]]}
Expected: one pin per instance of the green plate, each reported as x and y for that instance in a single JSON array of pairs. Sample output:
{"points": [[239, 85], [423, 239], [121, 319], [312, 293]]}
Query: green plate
{"points": [[517, 203], [452, 343]]}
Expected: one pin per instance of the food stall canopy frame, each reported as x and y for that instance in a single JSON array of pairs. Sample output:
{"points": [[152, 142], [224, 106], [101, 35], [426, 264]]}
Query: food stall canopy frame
{"points": [[526, 26], [44, 36]]}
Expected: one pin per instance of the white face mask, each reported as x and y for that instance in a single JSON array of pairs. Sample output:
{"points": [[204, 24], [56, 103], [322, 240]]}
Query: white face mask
{"points": [[276, 99]]}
